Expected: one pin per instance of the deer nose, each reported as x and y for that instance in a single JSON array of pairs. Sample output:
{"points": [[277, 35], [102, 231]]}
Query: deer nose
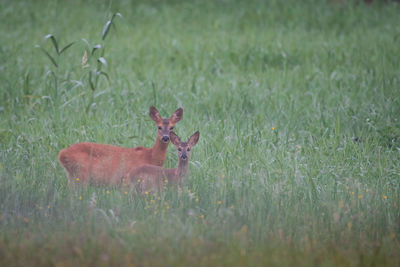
{"points": [[165, 138], [184, 156]]}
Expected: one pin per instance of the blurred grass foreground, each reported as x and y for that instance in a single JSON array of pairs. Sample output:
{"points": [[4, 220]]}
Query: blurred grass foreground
{"points": [[297, 103]]}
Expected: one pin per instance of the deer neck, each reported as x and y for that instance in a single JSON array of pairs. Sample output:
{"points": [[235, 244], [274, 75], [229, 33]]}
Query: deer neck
{"points": [[182, 169], [175, 175], [159, 152]]}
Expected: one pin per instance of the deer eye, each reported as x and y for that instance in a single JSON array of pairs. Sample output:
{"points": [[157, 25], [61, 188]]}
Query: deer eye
{"points": [[159, 127], [171, 128], [188, 149], [179, 149]]}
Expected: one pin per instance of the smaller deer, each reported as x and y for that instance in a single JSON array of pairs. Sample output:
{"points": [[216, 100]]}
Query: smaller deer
{"points": [[152, 178]]}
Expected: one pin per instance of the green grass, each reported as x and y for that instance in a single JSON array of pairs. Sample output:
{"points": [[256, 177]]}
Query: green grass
{"points": [[297, 103]]}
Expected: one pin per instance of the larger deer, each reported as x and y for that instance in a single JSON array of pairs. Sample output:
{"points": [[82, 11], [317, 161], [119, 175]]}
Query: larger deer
{"points": [[152, 178], [107, 164]]}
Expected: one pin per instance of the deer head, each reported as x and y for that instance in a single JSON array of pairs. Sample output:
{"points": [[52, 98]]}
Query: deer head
{"points": [[184, 148], [165, 126]]}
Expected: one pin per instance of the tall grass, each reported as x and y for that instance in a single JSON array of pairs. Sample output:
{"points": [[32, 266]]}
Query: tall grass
{"points": [[298, 107]]}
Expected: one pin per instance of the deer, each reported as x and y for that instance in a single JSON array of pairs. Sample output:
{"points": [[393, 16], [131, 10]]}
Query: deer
{"points": [[153, 178], [107, 164]]}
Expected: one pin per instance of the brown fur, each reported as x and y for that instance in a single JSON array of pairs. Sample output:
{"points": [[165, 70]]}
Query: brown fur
{"points": [[153, 178], [107, 164]]}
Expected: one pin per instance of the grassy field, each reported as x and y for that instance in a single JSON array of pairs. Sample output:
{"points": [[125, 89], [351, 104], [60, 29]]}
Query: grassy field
{"points": [[298, 108]]}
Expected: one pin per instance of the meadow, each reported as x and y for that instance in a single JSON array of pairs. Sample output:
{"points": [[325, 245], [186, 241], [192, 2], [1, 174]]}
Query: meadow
{"points": [[298, 108]]}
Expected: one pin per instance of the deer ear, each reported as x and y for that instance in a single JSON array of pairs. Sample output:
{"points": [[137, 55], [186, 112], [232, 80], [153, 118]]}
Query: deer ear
{"points": [[194, 139], [174, 139], [176, 116], [155, 115]]}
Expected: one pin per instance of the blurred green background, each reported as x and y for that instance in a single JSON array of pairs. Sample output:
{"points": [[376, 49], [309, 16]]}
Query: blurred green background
{"points": [[297, 104]]}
